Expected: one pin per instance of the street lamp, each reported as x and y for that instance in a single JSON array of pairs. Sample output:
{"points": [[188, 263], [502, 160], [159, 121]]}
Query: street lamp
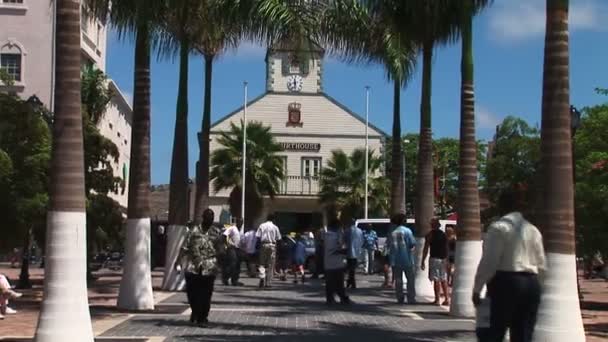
{"points": [[366, 148], [244, 152]]}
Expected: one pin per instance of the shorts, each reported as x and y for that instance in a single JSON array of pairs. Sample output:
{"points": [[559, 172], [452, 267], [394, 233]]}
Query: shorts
{"points": [[438, 269]]}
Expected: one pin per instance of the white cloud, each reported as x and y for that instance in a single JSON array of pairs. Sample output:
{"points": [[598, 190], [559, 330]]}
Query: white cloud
{"points": [[485, 119], [516, 20]]}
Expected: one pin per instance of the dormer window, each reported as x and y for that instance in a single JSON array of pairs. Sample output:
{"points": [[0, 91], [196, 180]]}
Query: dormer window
{"points": [[294, 65]]}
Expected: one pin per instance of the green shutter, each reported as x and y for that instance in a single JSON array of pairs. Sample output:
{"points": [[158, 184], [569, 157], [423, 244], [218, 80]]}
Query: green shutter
{"points": [[305, 66]]}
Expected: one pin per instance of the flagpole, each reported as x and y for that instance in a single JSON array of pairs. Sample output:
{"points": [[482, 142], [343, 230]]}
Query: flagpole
{"points": [[244, 158], [366, 149]]}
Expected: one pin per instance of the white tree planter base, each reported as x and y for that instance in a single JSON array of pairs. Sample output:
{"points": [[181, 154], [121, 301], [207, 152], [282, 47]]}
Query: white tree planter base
{"points": [[174, 280], [468, 254], [559, 316], [136, 283], [64, 315], [424, 287]]}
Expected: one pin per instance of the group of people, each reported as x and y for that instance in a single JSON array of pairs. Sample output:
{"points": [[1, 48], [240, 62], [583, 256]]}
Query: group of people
{"points": [[512, 258]]}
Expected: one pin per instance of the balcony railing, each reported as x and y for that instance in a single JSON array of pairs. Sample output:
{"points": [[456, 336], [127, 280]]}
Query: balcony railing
{"points": [[300, 186]]}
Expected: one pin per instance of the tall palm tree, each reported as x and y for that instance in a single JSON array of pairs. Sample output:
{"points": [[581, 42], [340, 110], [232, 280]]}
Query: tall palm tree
{"points": [[342, 184], [358, 34], [140, 17], [64, 315], [559, 316], [264, 168], [468, 245], [177, 24], [215, 33]]}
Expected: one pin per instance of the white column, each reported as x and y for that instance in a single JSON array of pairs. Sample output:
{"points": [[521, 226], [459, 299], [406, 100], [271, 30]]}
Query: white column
{"points": [[174, 280], [559, 315], [468, 254], [424, 286]]}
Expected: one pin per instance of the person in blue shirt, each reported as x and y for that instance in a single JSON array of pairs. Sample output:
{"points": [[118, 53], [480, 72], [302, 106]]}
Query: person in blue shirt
{"points": [[370, 246], [354, 242], [401, 244], [299, 258]]}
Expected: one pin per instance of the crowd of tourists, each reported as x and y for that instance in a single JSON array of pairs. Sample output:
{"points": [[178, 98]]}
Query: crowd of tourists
{"points": [[512, 258]]}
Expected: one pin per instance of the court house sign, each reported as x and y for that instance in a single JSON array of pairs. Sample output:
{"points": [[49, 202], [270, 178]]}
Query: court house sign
{"points": [[298, 146]]}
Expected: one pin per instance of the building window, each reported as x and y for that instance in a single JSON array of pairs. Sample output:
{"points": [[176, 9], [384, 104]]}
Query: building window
{"points": [[110, 125], [11, 64], [12, 1], [294, 65], [311, 167]]}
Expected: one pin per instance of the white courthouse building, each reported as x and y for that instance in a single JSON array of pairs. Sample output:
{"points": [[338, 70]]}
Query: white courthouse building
{"points": [[308, 123], [27, 54]]}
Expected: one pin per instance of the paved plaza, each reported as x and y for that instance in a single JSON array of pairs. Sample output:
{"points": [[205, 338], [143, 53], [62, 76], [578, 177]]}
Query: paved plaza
{"points": [[289, 312]]}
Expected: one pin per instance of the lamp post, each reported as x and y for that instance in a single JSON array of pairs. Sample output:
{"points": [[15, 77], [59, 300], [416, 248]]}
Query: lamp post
{"points": [[366, 149], [244, 151], [405, 141]]}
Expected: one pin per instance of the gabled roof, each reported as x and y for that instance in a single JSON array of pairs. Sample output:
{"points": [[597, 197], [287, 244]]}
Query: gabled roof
{"points": [[321, 94]]}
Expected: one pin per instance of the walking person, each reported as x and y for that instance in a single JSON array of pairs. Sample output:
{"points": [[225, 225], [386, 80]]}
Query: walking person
{"points": [[200, 256], [299, 259], [249, 249], [370, 246], [231, 269], [451, 236], [319, 252], [401, 245], [437, 242], [334, 259], [268, 234], [513, 255], [354, 243], [285, 249]]}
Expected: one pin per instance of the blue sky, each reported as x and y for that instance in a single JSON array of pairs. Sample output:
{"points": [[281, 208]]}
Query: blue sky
{"points": [[508, 42]]}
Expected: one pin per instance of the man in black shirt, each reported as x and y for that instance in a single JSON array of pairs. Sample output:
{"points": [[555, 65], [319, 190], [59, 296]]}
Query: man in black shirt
{"points": [[437, 242]]}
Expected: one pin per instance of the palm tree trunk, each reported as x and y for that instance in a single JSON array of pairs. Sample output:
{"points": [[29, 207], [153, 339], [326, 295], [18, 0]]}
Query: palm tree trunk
{"points": [[424, 179], [202, 171], [64, 314], [397, 200], [136, 283], [468, 244], [559, 316], [179, 209]]}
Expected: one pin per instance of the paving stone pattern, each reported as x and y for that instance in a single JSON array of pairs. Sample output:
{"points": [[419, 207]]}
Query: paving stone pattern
{"points": [[289, 312]]}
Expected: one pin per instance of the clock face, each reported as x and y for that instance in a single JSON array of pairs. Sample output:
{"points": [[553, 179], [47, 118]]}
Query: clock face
{"points": [[294, 83]]}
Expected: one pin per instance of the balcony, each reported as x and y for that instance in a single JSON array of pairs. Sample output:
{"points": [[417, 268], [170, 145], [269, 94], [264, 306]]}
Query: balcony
{"points": [[300, 186]]}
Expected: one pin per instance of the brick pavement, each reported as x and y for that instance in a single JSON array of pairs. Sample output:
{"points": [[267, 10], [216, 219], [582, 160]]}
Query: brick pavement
{"points": [[297, 313]]}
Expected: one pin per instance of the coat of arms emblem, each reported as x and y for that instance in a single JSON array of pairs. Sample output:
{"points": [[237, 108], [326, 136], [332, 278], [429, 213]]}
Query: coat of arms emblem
{"points": [[294, 114]]}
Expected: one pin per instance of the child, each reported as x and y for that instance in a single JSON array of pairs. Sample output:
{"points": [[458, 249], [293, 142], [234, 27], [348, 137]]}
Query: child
{"points": [[299, 258], [482, 321]]}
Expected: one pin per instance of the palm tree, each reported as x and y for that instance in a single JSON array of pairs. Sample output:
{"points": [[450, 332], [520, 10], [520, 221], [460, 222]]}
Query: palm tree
{"points": [[468, 245], [559, 316], [357, 34], [64, 314], [264, 168], [178, 36], [342, 184], [140, 17], [215, 33]]}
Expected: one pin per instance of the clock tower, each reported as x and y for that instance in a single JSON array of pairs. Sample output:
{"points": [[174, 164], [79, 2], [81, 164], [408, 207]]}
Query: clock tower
{"points": [[293, 70]]}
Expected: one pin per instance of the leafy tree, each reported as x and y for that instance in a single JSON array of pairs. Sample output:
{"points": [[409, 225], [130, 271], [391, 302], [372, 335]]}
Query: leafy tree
{"points": [[514, 161], [264, 168], [591, 156], [25, 152], [343, 184], [104, 215]]}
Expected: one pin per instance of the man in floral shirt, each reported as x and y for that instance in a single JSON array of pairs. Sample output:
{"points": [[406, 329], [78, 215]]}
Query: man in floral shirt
{"points": [[200, 254], [370, 245]]}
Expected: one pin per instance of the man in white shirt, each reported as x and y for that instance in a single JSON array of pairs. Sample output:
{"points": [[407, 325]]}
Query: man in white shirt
{"points": [[334, 263], [513, 256], [231, 267], [268, 234]]}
